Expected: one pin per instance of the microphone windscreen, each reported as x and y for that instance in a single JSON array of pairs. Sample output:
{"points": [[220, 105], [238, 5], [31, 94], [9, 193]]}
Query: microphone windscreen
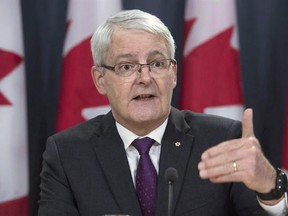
{"points": [[171, 174]]}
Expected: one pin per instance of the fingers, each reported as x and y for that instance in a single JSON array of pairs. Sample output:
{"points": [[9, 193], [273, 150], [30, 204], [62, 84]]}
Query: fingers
{"points": [[233, 168], [217, 162], [225, 163], [217, 172], [224, 147], [239, 160], [247, 124]]}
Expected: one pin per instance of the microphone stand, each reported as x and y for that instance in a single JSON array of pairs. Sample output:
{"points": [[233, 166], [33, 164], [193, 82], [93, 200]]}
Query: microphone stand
{"points": [[170, 197], [171, 175]]}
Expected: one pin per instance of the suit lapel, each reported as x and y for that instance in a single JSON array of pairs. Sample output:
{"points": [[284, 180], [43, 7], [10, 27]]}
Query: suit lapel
{"points": [[176, 149], [111, 154]]}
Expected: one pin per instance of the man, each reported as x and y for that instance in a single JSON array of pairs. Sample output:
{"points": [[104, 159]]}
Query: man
{"points": [[92, 168]]}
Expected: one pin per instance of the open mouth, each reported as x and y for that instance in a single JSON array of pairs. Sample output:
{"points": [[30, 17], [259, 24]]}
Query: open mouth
{"points": [[144, 97]]}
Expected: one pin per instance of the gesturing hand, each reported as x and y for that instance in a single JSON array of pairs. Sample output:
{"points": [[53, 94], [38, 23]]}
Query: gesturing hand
{"points": [[239, 160]]}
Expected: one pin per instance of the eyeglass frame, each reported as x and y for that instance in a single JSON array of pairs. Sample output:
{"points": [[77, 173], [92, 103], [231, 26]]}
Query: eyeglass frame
{"points": [[113, 68]]}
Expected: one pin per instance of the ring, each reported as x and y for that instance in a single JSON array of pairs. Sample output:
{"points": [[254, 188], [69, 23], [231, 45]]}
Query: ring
{"points": [[234, 166]]}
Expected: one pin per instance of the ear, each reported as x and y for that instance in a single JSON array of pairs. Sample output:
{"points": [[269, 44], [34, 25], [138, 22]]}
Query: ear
{"points": [[98, 79], [174, 68]]}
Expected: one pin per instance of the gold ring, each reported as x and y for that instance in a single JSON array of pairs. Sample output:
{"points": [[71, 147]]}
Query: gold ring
{"points": [[234, 166]]}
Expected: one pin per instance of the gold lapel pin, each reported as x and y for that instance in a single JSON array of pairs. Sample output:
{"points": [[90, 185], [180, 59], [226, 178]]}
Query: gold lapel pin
{"points": [[177, 144]]}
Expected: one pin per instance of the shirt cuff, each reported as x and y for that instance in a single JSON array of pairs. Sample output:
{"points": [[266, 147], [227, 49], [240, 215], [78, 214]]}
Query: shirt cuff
{"points": [[276, 210]]}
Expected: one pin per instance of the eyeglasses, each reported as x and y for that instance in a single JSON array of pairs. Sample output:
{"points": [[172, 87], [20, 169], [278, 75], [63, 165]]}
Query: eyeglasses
{"points": [[157, 67]]}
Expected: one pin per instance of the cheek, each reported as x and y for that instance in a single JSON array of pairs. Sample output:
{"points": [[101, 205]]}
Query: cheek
{"points": [[112, 93], [168, 88], [117, 90]]}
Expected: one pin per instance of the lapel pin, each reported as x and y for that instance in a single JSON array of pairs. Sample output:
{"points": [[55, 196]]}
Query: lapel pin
{"points": [[177, 144]]}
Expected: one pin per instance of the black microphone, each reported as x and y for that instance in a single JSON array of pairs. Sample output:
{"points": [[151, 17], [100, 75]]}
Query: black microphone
{"points": [[171, 175]]}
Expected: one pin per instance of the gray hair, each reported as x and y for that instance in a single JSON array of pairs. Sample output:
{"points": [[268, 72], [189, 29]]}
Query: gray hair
{"points": [[128, 19]]}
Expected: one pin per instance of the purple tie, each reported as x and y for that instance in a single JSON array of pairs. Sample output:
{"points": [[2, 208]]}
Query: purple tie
{"points": [[145, 177]]}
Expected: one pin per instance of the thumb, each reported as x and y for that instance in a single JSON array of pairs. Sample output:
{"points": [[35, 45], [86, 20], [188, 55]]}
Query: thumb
{"points": [[247, 123]]}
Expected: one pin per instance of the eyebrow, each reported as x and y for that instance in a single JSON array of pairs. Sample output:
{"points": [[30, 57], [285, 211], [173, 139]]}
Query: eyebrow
{"points": [[156, 52], [127, 55], [131, 55]]}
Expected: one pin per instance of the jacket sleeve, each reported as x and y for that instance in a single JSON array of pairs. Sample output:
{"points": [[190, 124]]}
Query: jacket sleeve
{"points": [[56, 197]]}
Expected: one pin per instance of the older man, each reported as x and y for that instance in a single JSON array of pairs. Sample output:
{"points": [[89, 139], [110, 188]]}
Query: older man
{"points": [[115, 163]]}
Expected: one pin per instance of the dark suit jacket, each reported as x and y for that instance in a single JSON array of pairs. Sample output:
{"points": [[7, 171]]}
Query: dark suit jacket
{"points": [[86, 172]]}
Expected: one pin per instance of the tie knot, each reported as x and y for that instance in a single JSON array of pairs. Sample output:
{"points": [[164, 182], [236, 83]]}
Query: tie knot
{"points": [[143, 145]]}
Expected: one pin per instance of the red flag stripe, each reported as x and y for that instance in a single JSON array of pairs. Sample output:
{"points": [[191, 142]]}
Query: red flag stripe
{"points": [[16, 207]]}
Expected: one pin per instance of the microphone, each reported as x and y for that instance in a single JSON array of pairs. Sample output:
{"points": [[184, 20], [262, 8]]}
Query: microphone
{"points": [[171, 175]]}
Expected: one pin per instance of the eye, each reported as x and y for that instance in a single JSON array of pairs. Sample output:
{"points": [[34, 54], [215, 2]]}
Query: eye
{"points": [[158, 64], [126, 67]]}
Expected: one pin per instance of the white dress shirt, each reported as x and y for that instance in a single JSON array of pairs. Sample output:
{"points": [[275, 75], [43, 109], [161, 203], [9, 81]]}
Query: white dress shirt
{"points": [[132, 154], [133, 157]]}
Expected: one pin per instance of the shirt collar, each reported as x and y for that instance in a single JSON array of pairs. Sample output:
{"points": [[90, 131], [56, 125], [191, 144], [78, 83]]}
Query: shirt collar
{"points": [[128, 136]]}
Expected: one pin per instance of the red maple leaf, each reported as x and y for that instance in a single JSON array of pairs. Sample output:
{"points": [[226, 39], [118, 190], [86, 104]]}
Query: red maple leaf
{"points": [[211, 73], [8, 62]]}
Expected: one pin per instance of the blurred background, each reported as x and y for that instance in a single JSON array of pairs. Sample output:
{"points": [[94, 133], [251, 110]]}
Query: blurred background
{"points": [[230, 54]]}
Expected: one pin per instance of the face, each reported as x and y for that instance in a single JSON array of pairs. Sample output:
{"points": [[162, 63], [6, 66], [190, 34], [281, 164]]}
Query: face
{"points": [[139, 102]]}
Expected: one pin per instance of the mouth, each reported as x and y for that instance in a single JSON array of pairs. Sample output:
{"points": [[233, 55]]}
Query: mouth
{"points": [[143, 97]]}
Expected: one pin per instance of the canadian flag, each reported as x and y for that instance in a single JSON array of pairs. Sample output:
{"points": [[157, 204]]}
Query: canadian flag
{"points": [[211, 80], [13, 116], [79, 99]]}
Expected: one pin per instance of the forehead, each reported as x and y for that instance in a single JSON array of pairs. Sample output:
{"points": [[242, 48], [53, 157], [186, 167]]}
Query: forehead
{"points": [[136, 43]]}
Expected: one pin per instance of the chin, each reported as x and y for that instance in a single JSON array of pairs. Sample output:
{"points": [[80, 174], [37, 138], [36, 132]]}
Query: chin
{"points": [[147, 116]]}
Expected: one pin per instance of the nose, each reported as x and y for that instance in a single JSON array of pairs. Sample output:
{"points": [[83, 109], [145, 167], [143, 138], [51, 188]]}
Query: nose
{"points": [[144, 74]]}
